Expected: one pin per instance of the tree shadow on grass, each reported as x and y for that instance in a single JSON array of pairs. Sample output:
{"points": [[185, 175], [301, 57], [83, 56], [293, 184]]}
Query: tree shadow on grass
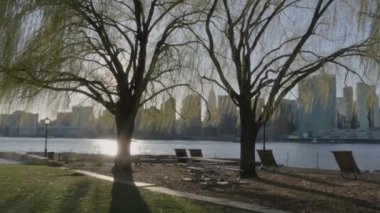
{"points": [[365, 176], [377, 182], [72, 200], [73, 174], [125, 197], [358, 202], [370, 178], [259, 197], [308, 178]]}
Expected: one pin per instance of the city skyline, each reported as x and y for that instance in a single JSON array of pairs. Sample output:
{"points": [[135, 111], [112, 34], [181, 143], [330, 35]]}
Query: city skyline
{"points": [[357, 109], [51, 109]]}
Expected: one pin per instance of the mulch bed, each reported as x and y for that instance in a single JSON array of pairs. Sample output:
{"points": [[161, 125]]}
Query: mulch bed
{"points": [[291, 189]]}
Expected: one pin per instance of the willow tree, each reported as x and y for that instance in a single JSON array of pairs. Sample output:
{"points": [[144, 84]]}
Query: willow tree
{"points": [[260, 50], [119, 53]]}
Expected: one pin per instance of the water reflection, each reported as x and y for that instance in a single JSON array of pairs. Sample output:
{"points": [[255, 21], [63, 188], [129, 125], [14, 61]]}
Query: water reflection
{"points": [[109, 147]]}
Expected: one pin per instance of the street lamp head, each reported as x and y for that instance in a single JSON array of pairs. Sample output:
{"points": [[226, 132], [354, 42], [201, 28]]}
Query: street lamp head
{"points": [[47, 121]]}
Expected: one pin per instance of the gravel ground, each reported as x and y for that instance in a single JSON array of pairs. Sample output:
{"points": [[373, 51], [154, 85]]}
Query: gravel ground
{"points": [[292, 189]]}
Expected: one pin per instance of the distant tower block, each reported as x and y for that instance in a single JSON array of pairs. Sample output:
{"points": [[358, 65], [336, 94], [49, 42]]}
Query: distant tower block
{"points": [[228, 115], [348, 97], [169, 118], [318, 104], [191, 112], [368, 103]]}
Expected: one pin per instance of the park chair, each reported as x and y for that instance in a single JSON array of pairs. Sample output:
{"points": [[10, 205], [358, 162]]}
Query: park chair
{"points": [[196, 153], [180, 153], [267, 159], [346, 163]]}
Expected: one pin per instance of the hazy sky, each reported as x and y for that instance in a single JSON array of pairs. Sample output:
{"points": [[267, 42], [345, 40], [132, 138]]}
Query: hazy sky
{"points": [[345, 32]]}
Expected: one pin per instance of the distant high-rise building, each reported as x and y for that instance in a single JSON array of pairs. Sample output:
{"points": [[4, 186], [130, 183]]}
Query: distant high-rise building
{"points": [[212, 117], [348, 98], [150, 124], [376, 118], [317, 96], [228, 115], [342, 121], [106, 124], [64, 118], [83, 116], [191, 122], [5, 120], [78, 123], [154, 122], [341, 106], [168, 117], [23, 124], [368, 104], [283, 122]]}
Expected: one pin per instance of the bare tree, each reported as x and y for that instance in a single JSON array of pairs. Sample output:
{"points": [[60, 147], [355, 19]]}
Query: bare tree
{"points": [[262, 49], [119, 53]]}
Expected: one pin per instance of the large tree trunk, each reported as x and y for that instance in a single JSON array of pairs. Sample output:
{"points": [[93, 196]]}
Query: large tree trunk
{"points": [[249, 130], [124, 118]]}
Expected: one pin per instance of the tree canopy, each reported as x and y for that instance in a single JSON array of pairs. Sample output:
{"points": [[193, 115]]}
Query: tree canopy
{"points": [[261, 50], [94, 47]]}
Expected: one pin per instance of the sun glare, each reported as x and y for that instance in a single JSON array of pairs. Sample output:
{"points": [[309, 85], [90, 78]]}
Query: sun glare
{"points": [[109, 147]]}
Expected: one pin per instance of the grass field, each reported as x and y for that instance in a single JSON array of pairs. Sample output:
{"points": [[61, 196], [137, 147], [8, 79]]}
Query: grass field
{"points": [[25, 188]]}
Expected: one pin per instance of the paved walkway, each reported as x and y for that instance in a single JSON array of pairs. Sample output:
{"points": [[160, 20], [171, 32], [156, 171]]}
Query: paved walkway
{"points": [[5, 161], [219, 201]]}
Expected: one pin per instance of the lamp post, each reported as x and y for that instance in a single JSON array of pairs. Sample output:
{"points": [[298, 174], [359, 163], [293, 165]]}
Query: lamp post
{"points": [[47, 121]]}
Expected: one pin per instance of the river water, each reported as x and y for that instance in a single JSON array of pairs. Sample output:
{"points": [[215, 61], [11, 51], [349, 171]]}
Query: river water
{"points": [[306, 155]]}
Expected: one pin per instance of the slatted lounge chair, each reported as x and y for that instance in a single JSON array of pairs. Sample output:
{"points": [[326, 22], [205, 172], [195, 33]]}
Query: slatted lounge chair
{"points": [[196, 153], [180, 153], [346, 163], [267, 159]]}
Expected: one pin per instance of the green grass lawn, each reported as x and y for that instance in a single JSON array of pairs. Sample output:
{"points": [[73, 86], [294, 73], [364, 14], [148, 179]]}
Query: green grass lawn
{"points": [[25, 188]]}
